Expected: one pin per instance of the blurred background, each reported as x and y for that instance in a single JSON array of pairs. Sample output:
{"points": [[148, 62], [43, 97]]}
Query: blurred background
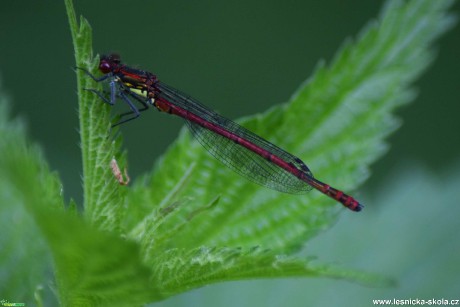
{"points": [[240, 58]]}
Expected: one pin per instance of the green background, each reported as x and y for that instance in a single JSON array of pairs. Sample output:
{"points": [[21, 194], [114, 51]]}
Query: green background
{"points": [[240, 58]]}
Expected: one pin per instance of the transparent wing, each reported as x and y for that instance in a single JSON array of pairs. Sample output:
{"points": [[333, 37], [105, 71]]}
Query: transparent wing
{"points": [[238, 158]]}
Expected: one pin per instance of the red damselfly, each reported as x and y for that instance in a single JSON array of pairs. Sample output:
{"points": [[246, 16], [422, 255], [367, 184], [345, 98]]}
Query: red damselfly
{"points": [[241, 150]]}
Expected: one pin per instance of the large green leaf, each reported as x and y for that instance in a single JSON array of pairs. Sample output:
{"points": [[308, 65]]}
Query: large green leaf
{"points": [[336, 122]]}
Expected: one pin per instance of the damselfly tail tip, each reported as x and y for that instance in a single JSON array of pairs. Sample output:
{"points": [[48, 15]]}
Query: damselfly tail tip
{"points": [[358, 208], [352, 204]]}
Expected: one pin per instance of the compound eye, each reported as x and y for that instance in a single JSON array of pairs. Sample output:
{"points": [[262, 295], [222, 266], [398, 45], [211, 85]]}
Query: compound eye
{"points": [[105, 66]]}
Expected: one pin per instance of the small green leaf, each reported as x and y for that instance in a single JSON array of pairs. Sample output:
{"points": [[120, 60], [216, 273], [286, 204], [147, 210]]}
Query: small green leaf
{"points": [[103, 198]]}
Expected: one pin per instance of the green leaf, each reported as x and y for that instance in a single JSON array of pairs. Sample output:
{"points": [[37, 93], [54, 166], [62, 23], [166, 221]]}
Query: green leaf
{"points": [[93, 268], [336, 122], [179, 270], [20, 275], [103, 198]]}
